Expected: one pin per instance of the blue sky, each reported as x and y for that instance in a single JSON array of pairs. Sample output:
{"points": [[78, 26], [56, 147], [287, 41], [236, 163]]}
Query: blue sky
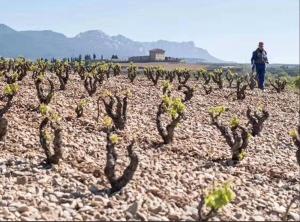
{"points": [[228, 29]]}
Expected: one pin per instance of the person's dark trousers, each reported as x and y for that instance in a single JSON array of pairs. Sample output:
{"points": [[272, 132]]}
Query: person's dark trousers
{"points": [[261, 72]]}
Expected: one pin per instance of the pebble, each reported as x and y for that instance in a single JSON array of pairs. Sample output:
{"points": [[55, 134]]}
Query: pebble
{"points": [[28, 219], [133, 208], [5, 211], [3, 203], [22, 180], [66, 214], [155, 209], [156, 218], [23, 208], [86, 208], [35, 170], [17, 214], [257, 218], [3, 169], [295, 216], [142, 216], [59, 194], [258, 177], [173, 217], [279, 209], [45, 216], [53, 198], [101, 217]]}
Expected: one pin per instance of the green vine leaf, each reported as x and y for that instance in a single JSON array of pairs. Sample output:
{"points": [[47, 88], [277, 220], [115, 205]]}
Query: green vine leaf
{"points": [[220, 197]]}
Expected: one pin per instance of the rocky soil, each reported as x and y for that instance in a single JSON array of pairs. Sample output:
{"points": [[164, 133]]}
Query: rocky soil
{"points": [[169, 179]]}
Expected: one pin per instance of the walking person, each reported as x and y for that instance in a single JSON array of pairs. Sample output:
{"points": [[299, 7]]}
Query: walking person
{"points": [[259, 60]]}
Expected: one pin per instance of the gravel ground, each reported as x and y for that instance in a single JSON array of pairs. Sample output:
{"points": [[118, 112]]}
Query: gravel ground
{"points": [[169, 179]]}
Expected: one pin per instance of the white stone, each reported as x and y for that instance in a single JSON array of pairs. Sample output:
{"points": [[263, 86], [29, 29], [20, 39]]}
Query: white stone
{"points": [[257, 218]]}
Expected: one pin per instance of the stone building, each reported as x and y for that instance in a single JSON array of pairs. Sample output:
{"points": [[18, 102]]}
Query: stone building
{"points": [[157, 55]]}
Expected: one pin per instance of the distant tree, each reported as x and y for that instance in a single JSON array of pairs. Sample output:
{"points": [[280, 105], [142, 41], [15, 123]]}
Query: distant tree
{"points": [[87, 57], [94, 56], [114, 57], [79, 57]]}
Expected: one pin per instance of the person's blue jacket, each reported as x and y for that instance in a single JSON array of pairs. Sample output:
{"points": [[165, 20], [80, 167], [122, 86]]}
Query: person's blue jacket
{"points": [[259, 56]]}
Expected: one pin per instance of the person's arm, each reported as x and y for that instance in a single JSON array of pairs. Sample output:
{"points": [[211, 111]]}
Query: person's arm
{"points": [[253, 58], [253, 62], [253, 68], [266, 58]]}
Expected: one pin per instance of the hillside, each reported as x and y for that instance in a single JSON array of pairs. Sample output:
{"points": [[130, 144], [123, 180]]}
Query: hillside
{"points": [[49, 44]]}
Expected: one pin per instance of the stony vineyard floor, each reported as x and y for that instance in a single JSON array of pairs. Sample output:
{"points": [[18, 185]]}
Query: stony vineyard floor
{"points": [[169, 180]]}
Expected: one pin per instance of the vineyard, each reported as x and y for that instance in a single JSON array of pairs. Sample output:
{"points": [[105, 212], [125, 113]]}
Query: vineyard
{"points": [[97, 141]]}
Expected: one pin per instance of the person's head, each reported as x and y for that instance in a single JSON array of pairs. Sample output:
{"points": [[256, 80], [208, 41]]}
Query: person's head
{"points": [[261, 45]]}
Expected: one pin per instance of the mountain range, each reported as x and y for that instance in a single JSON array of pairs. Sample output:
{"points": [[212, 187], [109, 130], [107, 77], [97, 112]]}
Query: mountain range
{"points": [[49, 44]]}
